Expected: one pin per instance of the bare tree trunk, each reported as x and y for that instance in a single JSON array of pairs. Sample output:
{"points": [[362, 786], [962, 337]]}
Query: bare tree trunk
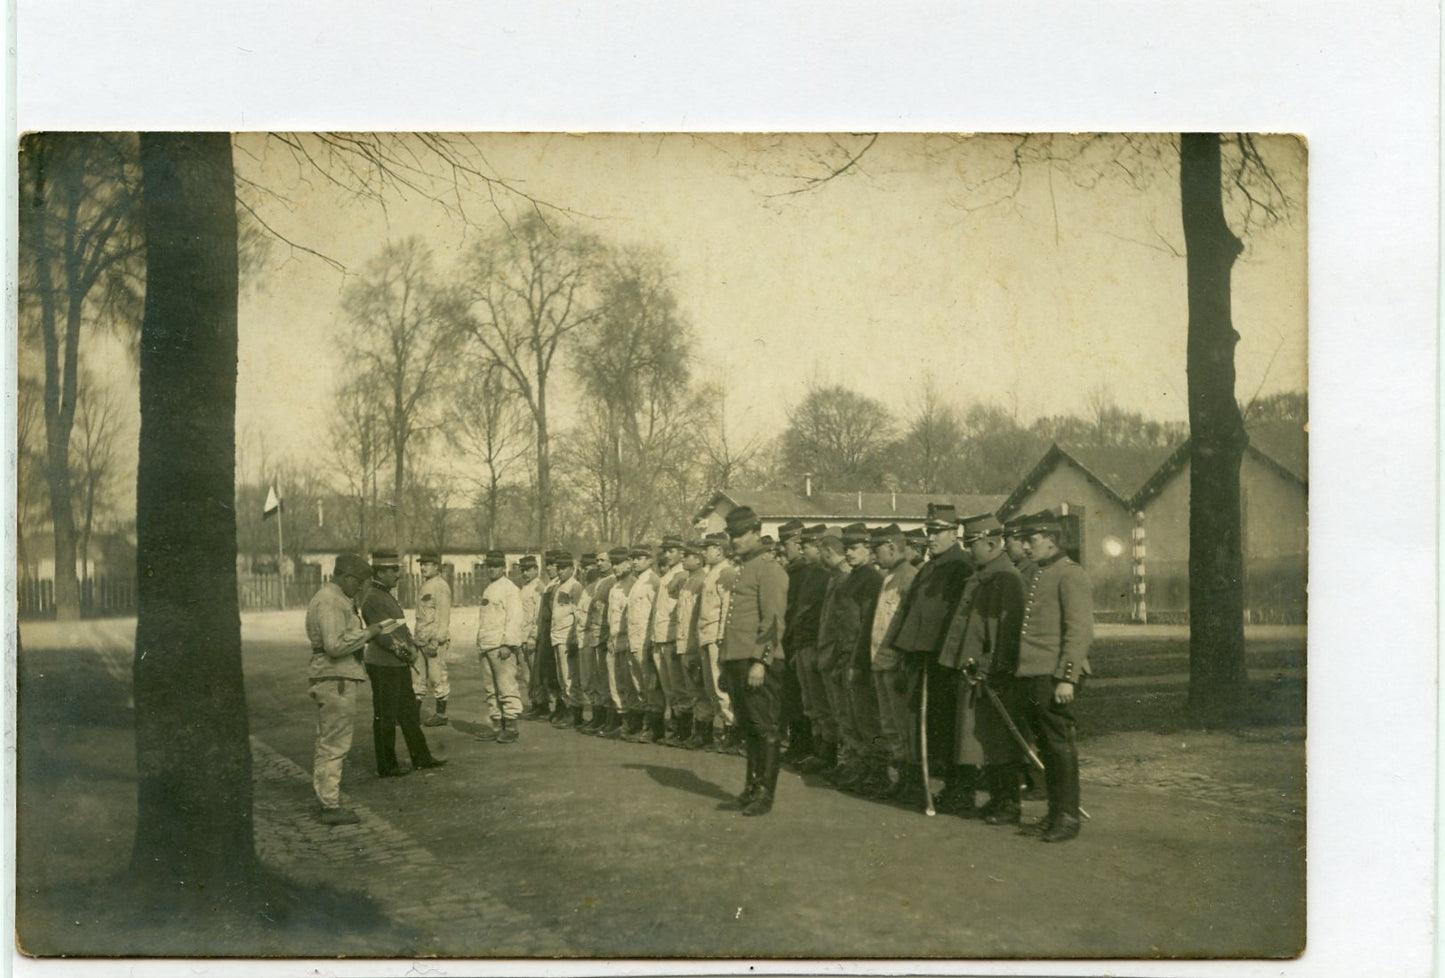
{"points": [[544, 470], [194, 832], [1216, 563]]}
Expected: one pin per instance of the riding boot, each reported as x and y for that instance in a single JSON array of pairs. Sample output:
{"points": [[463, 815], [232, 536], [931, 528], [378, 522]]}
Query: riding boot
{"points": [[633, 729], [1003, 803], [701, 734], [750, 786], [614, 729], [762, 802]]}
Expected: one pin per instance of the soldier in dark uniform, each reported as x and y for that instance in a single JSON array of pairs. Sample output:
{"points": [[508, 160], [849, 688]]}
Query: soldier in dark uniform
{"points": [[807, 585], [752, 655], [388, 665], [982, 646], [1058, 628], [918, 543], [917, 633]]}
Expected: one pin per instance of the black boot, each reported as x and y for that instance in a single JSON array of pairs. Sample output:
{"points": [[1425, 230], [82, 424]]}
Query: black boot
{"points": [[614, 729], [959, 792], [1003, 806], [1045, 824], [762, 802], [697, 739], [632, 726], [911, 791], [750, 786], [801, 746], [825, 758], [681, 730]]}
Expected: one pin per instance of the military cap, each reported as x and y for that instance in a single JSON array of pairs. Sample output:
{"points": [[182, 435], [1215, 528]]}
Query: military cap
{"points": [[641, 550], [1015, 526], [618, 554], [789, 530], [742, 519], [814, 533], [495, 558], [429, 557], [671, 541], [1044, 521], [884, 534], [559, 558], [589, 559], [384, 558], [855, 533], [693, 547], [985, 525], [716, 540], [941, 516], [353, 564], [917, 536], [528, 563]]}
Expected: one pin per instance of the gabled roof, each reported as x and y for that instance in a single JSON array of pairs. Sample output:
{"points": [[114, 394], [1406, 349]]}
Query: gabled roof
{"points": [[1119, 472], [1281, 445], [779, 504]]}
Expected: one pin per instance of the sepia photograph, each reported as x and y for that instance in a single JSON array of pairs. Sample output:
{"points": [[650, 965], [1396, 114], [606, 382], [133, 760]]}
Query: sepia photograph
{"points": [[770, 545]]}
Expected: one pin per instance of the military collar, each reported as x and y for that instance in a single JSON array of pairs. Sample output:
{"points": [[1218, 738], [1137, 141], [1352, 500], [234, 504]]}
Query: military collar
{"points": [[993, 565], [1051, 561]]}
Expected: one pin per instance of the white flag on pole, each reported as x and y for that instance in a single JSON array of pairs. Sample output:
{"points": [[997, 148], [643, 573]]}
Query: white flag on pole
{"points": [[273, 502]]}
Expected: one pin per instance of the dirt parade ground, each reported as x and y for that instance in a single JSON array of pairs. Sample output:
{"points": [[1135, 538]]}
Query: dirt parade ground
{"points": [[568, 845]]}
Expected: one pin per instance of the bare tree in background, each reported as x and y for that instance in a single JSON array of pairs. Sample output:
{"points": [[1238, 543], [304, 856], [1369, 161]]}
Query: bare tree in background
{"points": [[840, 436], [97, 422], [726, 457], [79, 264], [30, 493], [527, 291], [1213, 171], [398, 346], [360, 450], [489, 424], [932, 450]]}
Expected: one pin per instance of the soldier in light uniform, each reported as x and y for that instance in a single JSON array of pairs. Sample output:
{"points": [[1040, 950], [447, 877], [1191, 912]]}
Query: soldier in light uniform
{"points": [[565, 599], [619, 651], [712, 602], [433, 638], [609, 692], [335, 673], [892, 553], [689, 653], [1058, 628], [590, 668], [647, 686], [501, 625], [531, 592], [752, 655], [665, 651]]}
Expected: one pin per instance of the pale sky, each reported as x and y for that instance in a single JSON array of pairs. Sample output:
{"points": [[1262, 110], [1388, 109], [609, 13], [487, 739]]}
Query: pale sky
{"points": [[871, 281]]}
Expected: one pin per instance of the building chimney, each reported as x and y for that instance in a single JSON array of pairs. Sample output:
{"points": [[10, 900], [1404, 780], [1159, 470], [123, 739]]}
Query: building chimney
{"points": [[860, 500], [808, 484], [895, 500]]}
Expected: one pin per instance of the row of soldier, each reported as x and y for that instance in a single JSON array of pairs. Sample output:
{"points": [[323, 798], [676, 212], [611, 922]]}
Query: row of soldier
{"points": [[869, 656]]}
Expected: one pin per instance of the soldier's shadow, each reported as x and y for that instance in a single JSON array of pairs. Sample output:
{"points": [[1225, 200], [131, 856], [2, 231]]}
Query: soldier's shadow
{"points": [[681, 779]]}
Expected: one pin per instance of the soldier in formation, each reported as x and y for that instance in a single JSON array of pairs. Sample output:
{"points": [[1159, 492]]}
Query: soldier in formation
{"points": [[963, 667]]}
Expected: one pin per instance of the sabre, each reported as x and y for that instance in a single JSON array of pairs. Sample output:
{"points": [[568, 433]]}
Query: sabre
{"points": [[923, 743], [1008, 721]]}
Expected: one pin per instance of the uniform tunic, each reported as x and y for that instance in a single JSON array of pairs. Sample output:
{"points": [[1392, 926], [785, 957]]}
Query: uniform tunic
{"points": [[563, 602], [433, 635], [753, 631], [337, 636], [501, 626], [712, 607], [393, 702], [641, 664], [986, 631]]}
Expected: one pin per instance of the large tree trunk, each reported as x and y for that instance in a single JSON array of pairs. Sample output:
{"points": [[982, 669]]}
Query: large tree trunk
{"points": [[1216, 564], [194, 831], [544, 469]]}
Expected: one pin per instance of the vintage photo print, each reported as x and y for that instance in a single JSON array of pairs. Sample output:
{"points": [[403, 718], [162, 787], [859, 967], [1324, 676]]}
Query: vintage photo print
{"points": [[768, 545]]}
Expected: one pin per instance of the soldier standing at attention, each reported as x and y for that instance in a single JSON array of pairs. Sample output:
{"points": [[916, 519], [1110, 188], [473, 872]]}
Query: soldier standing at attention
{"points": [[689, 653], [647, 687], [337, 637], [752, 656], [619, 650], [389, 659], [433, 638], [712, 604], [566, 598], [545, 690], [891, 551], [1058, 628], [822, 725], [588, 666], [856, 601], [918, 547], [917, 632], [531, 591], [501, 624], [665, 642], [807, 583], [982, 646]]}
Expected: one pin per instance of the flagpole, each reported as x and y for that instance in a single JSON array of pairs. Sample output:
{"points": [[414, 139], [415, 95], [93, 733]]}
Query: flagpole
{"points": [[280, 557]]}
